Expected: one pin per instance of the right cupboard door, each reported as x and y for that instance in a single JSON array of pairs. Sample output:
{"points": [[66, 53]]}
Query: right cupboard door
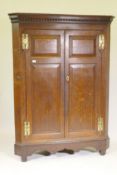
{"points": [[83, 83]]}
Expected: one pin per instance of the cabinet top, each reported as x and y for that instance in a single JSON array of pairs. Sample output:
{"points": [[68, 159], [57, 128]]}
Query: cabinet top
{"points": [[58, 18]]}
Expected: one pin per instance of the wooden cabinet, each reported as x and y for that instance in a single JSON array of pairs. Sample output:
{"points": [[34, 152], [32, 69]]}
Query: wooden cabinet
{"points": [[61, 70]]}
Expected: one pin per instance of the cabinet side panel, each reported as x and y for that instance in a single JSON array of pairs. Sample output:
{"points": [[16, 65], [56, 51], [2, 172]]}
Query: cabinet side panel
{"points": [[19, 83], [105, 78]]}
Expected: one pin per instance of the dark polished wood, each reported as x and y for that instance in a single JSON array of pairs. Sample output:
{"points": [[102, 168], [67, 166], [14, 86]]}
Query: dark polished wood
{"points": [[83, 66], [60, 82], [25, 150], [58, 18], [45, 84]]}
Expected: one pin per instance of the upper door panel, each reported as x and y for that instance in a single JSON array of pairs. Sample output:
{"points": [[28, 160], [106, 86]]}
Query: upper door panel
{"points": [[46, 44]]}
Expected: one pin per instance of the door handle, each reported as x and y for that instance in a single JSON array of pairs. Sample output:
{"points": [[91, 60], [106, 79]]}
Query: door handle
{"points": [[67, 78]]}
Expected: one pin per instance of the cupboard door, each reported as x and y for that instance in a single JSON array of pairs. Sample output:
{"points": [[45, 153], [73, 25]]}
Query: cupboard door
{"points": [[83, 87], [45, 84]]}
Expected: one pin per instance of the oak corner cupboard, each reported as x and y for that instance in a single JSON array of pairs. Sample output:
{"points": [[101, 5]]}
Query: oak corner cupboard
{"points": [[61, 77]]}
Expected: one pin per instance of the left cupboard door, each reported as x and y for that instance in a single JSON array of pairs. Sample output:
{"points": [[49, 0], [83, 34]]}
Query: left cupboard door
{"points": [[45, 84]]}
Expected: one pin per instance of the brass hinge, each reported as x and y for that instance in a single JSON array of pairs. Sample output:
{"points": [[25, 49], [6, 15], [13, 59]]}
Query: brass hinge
{"points": [[26, 128], [101, 41], [100, 124], [25, 41]]}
